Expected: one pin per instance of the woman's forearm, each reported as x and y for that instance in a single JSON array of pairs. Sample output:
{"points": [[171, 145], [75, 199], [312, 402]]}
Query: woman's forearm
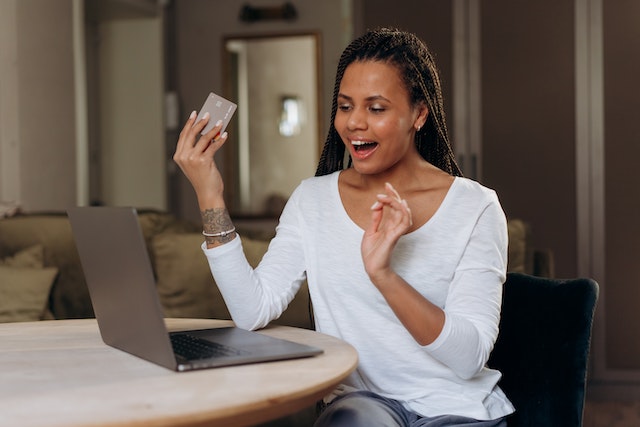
{"points": [[217, 226]]}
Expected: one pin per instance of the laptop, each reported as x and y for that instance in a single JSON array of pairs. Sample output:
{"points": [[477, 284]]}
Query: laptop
{"points": [[127, 307]]}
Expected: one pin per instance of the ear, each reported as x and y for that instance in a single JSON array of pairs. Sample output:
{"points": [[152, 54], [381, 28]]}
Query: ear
{"points": [[421, 119]]}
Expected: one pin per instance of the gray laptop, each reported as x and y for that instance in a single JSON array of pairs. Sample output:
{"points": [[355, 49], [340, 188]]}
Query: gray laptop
{"points": [[123, 292]]}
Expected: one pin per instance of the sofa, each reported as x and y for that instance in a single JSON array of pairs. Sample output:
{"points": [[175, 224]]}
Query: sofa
{"points": [[41, 276]]}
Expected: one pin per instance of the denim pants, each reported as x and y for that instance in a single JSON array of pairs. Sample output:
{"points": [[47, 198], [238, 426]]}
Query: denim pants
{"points": [[367, 409]]}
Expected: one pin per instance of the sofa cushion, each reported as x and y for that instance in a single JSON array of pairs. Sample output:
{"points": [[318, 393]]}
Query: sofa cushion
{"points": [[25, 286], [24, 293], [187, 288], [184, 281], [31, 257], [520, 255], [69, 294], [154, 222]]}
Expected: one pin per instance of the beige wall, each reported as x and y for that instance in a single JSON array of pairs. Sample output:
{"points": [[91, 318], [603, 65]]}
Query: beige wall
{"points": [[38, 165], [39, 142], [201, 26], [37, 108], [131, 114]]}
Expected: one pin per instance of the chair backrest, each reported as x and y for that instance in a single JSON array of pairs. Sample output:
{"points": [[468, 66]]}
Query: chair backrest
{"points": [[543, 347]]}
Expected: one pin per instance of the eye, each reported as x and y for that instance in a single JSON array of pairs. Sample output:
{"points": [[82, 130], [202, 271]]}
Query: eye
{"points": [[344, 107], [377, 109]]}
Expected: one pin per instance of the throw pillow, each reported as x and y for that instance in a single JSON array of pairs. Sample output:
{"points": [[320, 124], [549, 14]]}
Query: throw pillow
{"points": [[518, 251], [31, 257], [9, 209], [24, 293], [185, 284], [25, 286]]}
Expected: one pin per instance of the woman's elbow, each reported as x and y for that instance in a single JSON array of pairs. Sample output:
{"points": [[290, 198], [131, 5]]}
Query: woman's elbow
{"points": [[248, 324]]}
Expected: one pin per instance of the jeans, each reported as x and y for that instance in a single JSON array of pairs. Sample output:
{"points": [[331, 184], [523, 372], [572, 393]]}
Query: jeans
{"points": [[367, 409]]}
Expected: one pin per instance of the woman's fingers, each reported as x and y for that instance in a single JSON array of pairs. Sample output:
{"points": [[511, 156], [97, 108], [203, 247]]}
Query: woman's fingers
{"points": [[192, 128], [392, 191], [191, 132], [185, 132], [393, 200], [214, 132], [195, 149]]}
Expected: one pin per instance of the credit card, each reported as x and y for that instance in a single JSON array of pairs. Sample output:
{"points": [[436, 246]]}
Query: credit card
{"points": [[219, 108]]}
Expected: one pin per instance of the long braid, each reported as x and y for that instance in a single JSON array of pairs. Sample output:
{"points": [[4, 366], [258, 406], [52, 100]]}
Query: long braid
{"points": [[420, 75], [332, 157]]}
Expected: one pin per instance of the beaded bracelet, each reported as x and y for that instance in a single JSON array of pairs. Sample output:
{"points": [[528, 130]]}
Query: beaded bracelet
{"points": [[220, 234]]}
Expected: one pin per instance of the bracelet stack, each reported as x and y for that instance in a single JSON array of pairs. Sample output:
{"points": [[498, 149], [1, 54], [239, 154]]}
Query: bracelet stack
{"points": [[220, 234]]}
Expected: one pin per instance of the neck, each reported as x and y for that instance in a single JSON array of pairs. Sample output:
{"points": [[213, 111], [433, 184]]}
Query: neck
{"points": [[402, 177]]}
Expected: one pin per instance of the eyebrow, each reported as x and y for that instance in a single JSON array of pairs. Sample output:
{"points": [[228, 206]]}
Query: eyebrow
{"points": [[369, 98]]}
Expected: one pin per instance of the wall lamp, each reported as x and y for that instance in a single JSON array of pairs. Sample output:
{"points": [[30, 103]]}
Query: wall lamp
{"points": [[291, 116]]}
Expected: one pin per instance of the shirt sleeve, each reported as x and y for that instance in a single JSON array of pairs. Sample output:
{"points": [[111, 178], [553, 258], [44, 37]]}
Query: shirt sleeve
{"points": [[255, 297], [472, 307]]}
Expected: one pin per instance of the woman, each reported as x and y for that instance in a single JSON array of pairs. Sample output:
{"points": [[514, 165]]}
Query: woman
{"points": [[404, 258]]}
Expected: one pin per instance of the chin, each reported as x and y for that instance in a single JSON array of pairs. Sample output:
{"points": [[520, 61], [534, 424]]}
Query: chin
{"points": [[365, 169]]}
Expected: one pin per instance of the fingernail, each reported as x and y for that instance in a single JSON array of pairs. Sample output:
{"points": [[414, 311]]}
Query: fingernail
{"points": [[375, 206], [219, 122], [224, 135], [381, 195], [206, 116], [193, 114]]}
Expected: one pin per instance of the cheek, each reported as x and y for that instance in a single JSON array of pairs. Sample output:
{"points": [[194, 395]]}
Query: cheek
{"points": [[386, 126], [338, 122]]}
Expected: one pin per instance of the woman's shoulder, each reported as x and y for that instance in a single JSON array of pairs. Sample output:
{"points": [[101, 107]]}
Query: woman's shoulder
{"points": [[472, 193], [316, 187], [472, 187], [322, 182]]}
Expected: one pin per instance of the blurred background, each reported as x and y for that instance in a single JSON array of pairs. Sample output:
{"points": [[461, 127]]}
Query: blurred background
{"points": [[541, 100]]}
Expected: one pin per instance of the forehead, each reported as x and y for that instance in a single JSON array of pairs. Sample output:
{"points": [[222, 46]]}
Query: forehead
{"points": [[372, 77]]}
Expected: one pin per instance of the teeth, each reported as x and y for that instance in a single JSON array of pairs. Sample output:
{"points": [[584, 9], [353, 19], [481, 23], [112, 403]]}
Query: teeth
{"points": [[361, 142]]}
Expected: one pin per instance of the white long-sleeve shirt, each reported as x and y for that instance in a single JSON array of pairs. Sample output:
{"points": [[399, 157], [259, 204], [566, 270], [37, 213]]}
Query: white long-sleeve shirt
{"points": [[457, 260]]}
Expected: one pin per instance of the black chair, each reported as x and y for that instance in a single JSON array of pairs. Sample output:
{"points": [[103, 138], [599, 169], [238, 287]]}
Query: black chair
{"points": [[542, 349]]}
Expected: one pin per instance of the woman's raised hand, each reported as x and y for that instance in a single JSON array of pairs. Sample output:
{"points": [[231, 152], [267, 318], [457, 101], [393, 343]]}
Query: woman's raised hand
{"points": [[194, 155], [390, 219]]}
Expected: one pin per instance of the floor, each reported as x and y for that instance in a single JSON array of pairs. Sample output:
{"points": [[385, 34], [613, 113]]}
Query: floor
{"points": [[611, 414]]}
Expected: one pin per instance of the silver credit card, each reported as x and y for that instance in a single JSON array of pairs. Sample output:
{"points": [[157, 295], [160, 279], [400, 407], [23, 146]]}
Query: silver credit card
{"points": [[218, 109]]}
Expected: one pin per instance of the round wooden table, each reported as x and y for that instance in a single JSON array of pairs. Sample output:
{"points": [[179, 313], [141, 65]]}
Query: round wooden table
{"points": [[60, 373]]}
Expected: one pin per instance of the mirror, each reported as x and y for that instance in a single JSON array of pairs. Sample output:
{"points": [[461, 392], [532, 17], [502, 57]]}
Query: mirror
{"points": [[274, 140]]}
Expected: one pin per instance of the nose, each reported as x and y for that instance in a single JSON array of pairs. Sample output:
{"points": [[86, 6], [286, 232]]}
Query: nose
{"points": [[357, 119]]}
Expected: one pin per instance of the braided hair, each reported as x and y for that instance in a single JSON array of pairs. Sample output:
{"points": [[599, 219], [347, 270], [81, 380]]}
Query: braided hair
{"points": [[419, 73]]}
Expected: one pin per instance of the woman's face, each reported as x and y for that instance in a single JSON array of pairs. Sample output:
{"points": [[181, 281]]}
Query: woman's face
{"points": [[375, 118]]}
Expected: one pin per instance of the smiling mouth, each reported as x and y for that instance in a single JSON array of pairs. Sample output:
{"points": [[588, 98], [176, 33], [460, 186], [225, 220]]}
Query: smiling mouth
{"points": [[359, 146], [363, 149]]}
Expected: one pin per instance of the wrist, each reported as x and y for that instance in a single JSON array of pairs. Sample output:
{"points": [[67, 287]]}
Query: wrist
{"points": [[382, 277], [217, 226]]}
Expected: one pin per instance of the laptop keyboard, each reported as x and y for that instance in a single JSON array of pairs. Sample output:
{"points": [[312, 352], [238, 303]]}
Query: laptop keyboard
{"points": [[193, 348]]}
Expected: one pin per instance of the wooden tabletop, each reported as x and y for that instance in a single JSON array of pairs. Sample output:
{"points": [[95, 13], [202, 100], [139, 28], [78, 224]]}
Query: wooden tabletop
{"points": [[60, 373]]}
